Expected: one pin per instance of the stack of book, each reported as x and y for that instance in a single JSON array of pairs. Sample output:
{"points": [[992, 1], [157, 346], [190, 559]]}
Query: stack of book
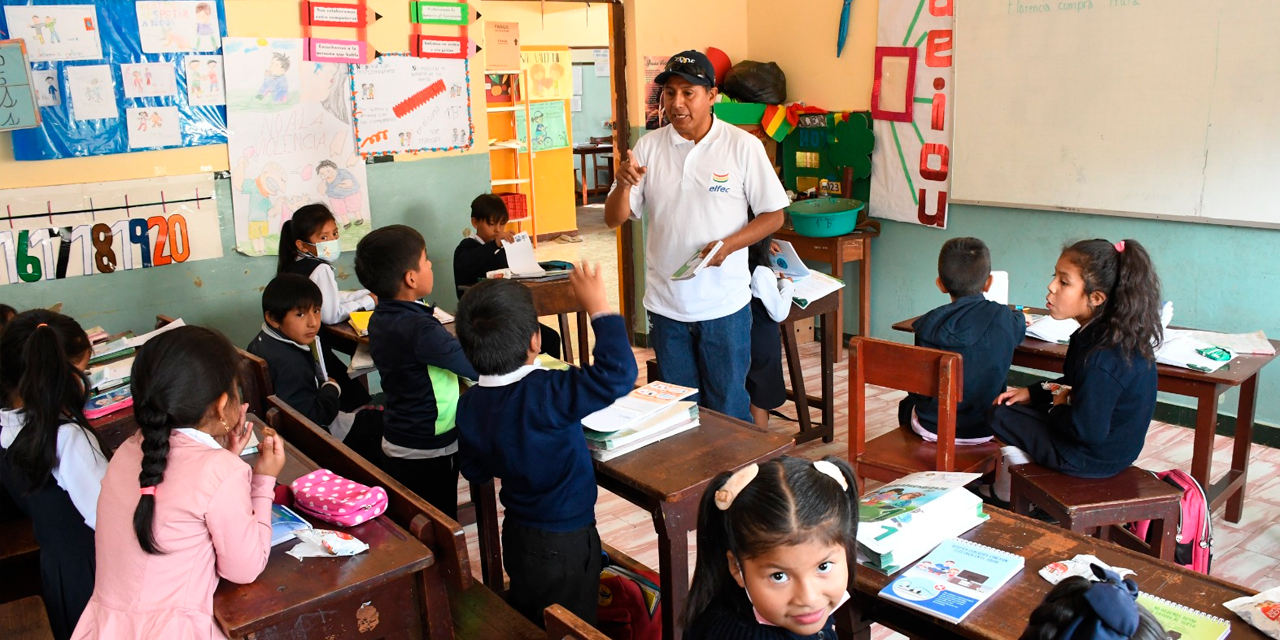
{"points": [[651, 413], [902, 521]]}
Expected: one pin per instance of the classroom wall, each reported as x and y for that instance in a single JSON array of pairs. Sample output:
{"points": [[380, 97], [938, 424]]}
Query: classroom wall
{"points": [[552, 23], [802, 40]]}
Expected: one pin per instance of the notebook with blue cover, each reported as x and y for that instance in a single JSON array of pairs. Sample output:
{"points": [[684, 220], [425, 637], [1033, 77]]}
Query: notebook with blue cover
{"points": [[956, 577]]}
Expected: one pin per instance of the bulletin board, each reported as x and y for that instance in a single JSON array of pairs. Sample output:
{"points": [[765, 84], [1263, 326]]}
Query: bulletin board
{"points": [[88, 105], [404, 104]]}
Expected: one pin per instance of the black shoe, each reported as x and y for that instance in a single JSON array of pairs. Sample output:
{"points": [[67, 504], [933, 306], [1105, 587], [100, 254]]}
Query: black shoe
{"points": [[988, 494]]}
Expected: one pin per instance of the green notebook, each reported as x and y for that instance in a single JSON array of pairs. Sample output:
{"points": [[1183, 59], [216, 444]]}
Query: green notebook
{"points": [[1189, 623]]}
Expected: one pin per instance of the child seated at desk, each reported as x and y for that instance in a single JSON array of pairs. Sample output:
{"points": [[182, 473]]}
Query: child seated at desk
{"points": [[1080, 609], [483, 252], [1091, 422], [523, 424], [50, 460], [983, 332], [179, 509], [420, 363]]}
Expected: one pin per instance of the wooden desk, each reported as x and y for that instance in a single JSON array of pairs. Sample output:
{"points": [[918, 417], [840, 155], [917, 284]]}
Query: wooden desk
{"points": [[667, 479], [829, 309], [584, 150], [837, 251], [1004, 616], [376, 591], [1205, 388]]}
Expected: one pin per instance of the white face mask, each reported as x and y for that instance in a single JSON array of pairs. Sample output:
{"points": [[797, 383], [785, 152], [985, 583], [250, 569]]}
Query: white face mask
{"points": [[329, 250]]}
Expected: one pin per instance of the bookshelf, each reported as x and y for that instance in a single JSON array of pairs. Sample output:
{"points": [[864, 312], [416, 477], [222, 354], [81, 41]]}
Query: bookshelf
{"points": [[511, 158]]}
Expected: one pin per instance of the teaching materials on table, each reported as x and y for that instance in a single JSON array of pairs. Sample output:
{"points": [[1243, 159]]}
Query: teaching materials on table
{"points": [[696, 263], [634, 407], [673, 416], [56, 32], [1255, 343], [1189, 623], [657, 436], [953, 579], [1050, 330], [818, 285], [108, 350], [904, 519], [405, 105], [108, 402], [284, 523], [107, 376], [138, 341], [999, 291], [21, 91], [1192, 353]]}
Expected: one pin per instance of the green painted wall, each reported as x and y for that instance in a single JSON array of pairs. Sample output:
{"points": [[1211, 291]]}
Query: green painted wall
{"points": [[431, 195]]}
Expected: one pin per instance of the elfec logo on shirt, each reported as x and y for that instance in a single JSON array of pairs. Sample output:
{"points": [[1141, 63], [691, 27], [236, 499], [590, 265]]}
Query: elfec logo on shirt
{"points": [[718, 180]]}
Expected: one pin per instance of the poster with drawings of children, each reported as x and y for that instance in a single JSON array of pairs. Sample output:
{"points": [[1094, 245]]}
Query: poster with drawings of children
{"points": [[153, 127], [93, 92], [56, 32], [148, 80], [204, 80], [290, 141], [406, 104], [175, 26], [45, 83]]}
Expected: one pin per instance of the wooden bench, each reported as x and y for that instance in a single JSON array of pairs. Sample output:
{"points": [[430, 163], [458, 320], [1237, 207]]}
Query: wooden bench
{"points": [[25, 619], [563, 625], [472, 610]]}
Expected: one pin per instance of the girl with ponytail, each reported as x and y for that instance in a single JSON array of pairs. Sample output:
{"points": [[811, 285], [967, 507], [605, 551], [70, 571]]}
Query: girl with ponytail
{"points": [[179, 509], [776, 547], [1091, 422], [51, 463]]}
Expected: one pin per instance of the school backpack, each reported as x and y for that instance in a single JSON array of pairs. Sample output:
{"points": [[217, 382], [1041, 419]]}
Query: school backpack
{"points": [[629, 607], [1194, 546]]}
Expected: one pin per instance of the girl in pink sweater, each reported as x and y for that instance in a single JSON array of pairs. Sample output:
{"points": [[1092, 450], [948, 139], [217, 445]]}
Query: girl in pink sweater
{"points": [[179, 509]]}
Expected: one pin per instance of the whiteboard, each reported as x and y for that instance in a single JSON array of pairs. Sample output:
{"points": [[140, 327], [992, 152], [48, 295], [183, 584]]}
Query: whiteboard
{"points": [[1146, 108]]}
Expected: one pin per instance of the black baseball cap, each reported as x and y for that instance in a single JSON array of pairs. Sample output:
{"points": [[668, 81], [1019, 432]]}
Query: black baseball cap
{"points": [[690, 65]]}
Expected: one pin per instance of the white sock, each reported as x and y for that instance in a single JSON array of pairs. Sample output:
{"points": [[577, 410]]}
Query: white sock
{"points": [[1015, 456], [1011, 456]]}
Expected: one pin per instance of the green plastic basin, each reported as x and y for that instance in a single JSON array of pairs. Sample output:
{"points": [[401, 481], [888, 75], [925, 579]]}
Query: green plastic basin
{"points": [[826, 217]]}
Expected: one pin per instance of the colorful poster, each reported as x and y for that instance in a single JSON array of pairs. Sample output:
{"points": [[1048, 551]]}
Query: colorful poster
{"points": [[148, 80], [911, 107], [407, 105], [653, 116], [550, 126], [204, 80], [56, 32], [501, 45], [171, 26], [153, 127], [93, 92], [290, 142], [549, 71], [51, 233]]}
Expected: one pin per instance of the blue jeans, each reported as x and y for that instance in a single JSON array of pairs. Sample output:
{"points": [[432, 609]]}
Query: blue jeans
{"points": [[712, 356]]}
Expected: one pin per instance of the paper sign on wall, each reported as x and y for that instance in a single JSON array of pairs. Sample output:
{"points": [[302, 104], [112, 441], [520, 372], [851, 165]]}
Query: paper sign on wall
{"points": [[56, 32], [653, 116], [93, 92], [405, 104], [174, 26], [48, 90], [153, 127], [549, 74], [205, 85], [148, 80], [19, 91], [550, 126], [51, 233], [601, 57], [501, 45]]}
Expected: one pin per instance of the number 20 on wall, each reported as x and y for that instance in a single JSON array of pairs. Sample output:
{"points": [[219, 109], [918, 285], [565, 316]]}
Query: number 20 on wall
{"points": [[31, 255]]}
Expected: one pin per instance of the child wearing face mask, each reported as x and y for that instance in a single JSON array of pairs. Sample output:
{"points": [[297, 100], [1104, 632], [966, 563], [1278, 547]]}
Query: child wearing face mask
{"points": [[775, 551]]}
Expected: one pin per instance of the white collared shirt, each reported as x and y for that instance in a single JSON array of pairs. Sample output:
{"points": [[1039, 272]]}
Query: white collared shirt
{"points": [[80, 466], [692, 195], [199, 436], [508, 378]]}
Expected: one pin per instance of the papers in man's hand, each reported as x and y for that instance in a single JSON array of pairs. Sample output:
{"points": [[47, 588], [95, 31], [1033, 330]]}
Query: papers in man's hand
{"points": [[1188, 352], [520, 258], [138, 341], [787, 262], [696, 263], [636, 406], [815, 287], [1050, 330]]}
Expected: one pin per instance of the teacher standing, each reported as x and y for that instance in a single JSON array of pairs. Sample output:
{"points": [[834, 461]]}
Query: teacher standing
{"points": [[694, 180]]}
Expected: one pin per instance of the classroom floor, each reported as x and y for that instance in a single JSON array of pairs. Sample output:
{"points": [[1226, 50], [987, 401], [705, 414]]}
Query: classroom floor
{"points": [[1247, 553]]}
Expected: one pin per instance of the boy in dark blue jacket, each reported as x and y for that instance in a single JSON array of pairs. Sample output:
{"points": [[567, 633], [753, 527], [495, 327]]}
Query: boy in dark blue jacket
{"points": [[983, 332], [523, 424], [420, 363]]}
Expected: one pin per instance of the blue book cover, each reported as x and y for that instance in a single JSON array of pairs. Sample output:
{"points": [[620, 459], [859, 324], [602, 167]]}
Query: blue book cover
{"points": [[953, 579]]}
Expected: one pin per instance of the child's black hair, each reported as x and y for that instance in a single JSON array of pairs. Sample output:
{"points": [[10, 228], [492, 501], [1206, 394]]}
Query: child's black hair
{"points": [[385, 255], [964, 264], [1066, 603], [789, 502], [304, 225], [289, 291], [36, 350], [177, 377], [758, 254], [496, 320], [1130, 315], [490, 208], [6, 314]]}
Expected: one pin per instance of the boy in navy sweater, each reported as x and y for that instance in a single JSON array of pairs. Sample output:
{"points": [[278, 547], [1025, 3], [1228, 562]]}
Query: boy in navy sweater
{"points": [[983, 332], [523, 424], [420, 363]]}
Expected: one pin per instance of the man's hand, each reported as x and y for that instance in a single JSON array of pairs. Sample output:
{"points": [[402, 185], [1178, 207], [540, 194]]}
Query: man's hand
{"points": [[718, 258], [588, 287], [628, 174]]}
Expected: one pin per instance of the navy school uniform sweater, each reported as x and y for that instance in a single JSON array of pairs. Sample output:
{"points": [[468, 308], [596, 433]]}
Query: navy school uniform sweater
{"points": [[525, 427], [473, 259], [1104, 427], [419, 361], [985, 334], [296, 376]]}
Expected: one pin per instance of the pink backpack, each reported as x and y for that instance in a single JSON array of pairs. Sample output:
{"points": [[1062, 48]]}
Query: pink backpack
{"points": [[1194, 547], [335, 499]]}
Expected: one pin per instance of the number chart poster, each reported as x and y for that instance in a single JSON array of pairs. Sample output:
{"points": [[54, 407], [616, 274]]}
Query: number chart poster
{"points": [[290, 142], [407, 105], [910, 104], [51, 233]]}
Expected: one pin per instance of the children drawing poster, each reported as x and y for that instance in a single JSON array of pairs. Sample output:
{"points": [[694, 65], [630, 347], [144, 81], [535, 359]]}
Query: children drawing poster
{"points": [[45, 84], [550, 127], [51, 233], [549, 73], [93, 92], [204, 80], [56, 32], [153, 127], [168, 27], [148, 80], [290, 142], [406, 104]]}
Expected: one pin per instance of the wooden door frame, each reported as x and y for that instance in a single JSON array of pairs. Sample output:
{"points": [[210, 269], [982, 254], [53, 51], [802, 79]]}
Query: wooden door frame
{"points": [[621, 136]]}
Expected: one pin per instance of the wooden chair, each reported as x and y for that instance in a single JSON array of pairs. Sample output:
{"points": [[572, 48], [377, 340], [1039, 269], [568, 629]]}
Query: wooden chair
{"points": [[929, 372], [563, 625], [596, 168], [472, 610]]}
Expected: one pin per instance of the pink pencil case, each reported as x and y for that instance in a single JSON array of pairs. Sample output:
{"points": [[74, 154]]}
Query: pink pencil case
{"points": [[335, 499], [108, 402]]}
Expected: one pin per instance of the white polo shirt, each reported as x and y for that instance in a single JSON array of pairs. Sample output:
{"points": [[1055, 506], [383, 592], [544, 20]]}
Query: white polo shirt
{"points": [[693, 195]]}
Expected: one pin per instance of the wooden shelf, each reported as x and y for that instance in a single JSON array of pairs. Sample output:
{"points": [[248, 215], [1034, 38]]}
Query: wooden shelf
{"points": [[500, 183]]}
